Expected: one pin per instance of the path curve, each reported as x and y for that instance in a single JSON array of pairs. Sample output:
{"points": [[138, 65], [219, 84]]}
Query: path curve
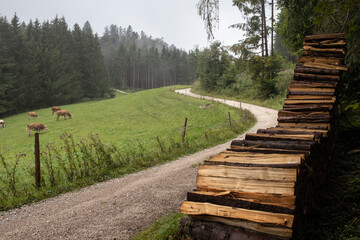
{"points": [[118, 208]]}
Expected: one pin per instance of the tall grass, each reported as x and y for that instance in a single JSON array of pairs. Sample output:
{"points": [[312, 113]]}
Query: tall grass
{"points": [[244, 90], [79, 152]]}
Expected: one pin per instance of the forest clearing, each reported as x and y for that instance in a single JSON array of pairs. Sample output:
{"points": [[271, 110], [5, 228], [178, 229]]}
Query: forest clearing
{"points": [[119, 207], [107, 139]]}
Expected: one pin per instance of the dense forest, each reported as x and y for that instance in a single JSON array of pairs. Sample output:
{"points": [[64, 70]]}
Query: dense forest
{"points": [[138, 61], [46, 64]]}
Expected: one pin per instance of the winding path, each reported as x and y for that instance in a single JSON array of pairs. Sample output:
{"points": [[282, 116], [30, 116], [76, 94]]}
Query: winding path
{"points": [[118, 208]]}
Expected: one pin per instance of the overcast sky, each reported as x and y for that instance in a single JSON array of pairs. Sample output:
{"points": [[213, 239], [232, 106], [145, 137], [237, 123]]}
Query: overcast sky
{"points": [[174, 20]]}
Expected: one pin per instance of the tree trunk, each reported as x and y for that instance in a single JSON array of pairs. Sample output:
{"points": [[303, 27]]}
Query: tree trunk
{"points": [[264, 27]]}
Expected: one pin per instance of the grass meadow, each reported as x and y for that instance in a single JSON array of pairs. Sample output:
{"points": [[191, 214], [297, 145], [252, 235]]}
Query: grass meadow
{"points": [[107, 139]]}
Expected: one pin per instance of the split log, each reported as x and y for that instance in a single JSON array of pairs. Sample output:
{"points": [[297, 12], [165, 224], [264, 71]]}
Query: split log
{"points": [[275, 219], [320, 102], [310, 125], [318, 133], [285, 201], [306, 108], [311, 89], [279, 137], [325, 65], [244, 185], [338, 42], [259, 159], [248, 173], [316, 77], [230, 201], [311, 82], [324, 37], [259, 149], [320, 60], [309, 97], [308, 113], [322, 54]]}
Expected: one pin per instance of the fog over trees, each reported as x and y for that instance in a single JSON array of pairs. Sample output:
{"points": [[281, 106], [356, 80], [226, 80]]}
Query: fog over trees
{"points": [[46, 64]]}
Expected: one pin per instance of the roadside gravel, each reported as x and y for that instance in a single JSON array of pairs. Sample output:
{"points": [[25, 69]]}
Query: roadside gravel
{"points": [[118, 208]]}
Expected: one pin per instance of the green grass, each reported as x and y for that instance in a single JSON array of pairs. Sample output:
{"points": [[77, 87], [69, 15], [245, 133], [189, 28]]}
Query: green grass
{"points": [[244, 90], [134, 131], [167, 227]]}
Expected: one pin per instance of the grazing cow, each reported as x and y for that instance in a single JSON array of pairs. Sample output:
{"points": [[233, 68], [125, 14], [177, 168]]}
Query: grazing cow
{"points": [[36, 127], [2, 123], [55, 109], [32, 114], [63, 113]]}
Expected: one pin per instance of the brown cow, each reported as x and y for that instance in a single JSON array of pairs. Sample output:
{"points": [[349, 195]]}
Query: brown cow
{"points": [[32, 114], [36, 127], [2, 123], [55, 109], [63, 113]]}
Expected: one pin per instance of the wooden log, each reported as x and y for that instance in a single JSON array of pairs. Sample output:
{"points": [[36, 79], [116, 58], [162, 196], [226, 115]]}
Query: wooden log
{"points": [[311, 89], [324, 65], [313, 85], [257, 159], [248, 173], [310, 113], [259, 149], [217, 228], [327, 43], [325, 37], [279, 137], [305, 119], [306, 108], [309, 97], [320, 60], [244, 185], [300, 68], [310, 125], [317, 133], [311, 94], [275, 219], [316, 77], [322, 54], [325, 50], [286, 201], [288, 145], [333, 84], [320, 102], [230, 201]]}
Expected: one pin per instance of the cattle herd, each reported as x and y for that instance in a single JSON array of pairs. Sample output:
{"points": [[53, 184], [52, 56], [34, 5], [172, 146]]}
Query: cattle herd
{"points": [[39, 126]]}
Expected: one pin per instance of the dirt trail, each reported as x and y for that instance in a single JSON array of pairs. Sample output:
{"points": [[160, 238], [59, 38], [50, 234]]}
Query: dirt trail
{"points": [[118, 208]]}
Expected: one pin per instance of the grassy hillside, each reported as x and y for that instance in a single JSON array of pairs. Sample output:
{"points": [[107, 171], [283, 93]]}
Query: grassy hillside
{"points": [[127, 128]]}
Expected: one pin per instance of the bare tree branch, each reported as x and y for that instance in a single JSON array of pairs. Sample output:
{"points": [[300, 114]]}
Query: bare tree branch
{"points": [[208, 10]]}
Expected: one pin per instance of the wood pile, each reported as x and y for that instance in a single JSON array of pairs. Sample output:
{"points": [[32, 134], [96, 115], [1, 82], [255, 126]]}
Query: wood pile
{"points": [[261, 187]]}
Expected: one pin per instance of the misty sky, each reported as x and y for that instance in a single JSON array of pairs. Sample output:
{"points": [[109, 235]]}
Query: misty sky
{"points": [[174, 20]]}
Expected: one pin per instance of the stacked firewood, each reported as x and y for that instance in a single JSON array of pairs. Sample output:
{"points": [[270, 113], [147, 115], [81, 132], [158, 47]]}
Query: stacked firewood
{"points": [[262, 186]]}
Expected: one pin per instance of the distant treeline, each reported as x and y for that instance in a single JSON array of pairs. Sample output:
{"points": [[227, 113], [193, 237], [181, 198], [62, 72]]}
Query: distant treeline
{"points": [[142, 62], [48, 64]]}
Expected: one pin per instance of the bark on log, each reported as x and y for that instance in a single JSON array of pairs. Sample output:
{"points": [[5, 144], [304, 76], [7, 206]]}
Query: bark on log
{"points": [[288, 145], [322, 54], [259, 149], [300, 68], [215, 228]]}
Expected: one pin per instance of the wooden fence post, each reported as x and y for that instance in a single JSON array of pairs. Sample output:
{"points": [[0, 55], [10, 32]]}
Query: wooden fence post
{"points": [[37, 160], [229, 119], [183, 132]]}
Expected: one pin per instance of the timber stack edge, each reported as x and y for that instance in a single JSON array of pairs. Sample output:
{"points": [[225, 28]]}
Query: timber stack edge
{"points": [[262, 186]]}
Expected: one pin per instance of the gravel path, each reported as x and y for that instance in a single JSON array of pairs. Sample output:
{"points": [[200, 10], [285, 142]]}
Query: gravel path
{"points": [[118, 208]]}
